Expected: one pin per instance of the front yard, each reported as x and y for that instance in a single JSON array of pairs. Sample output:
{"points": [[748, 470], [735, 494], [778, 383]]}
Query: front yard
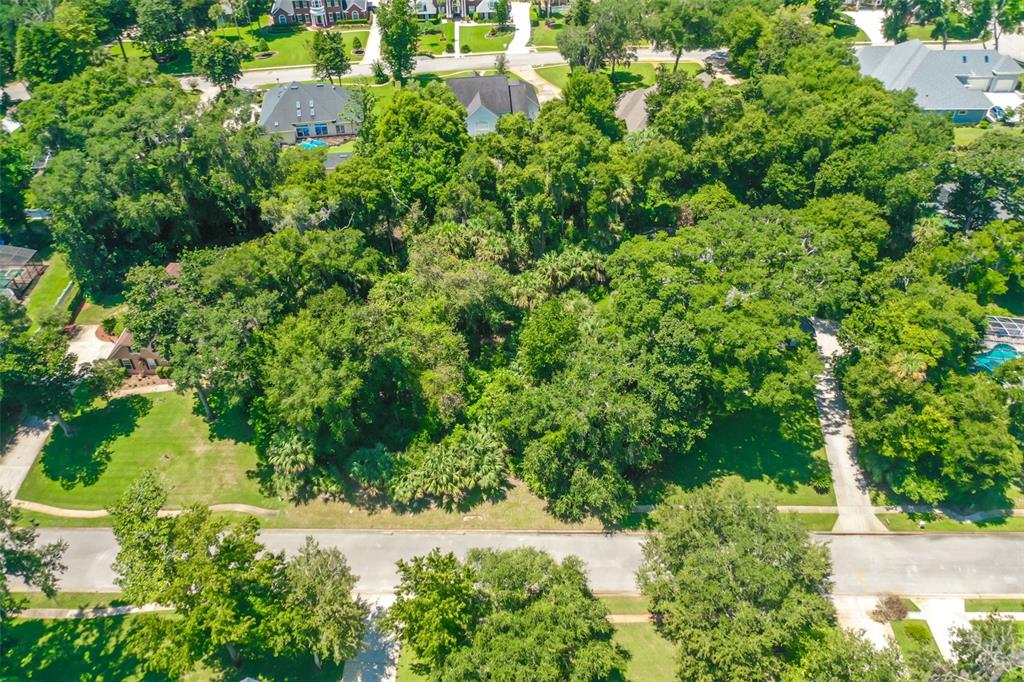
{"points": [[434, 37], [544, 36], [636, 75], [476, 37]]}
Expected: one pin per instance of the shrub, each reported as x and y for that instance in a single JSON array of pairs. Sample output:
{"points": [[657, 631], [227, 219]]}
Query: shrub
{"points": [[260, 44], [109, 325], [918, 632], [465, 48], [449, 48], [889, 608], [380, 76], [357, 44]]}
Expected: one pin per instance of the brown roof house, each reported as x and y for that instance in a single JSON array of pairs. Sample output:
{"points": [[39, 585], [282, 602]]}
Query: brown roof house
{"points": [[136, 359]]}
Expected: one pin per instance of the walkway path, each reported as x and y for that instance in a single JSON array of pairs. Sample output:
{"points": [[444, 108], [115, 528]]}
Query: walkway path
{"points": [[854, 613], [455, 40], [21, 454], [546, 90], [855, 510], [372, 49], [66, 513], [521, 20]]}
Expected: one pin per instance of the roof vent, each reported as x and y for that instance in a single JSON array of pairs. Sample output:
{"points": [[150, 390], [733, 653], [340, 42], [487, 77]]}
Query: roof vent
{"points": [[964, 58], [986, 59]]}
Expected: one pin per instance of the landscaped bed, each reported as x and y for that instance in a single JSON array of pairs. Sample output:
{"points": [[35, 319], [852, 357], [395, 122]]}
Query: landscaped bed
{"points": [[912, 635], [479, 39]]}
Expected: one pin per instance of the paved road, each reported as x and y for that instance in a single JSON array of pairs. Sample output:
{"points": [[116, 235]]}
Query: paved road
{"points": [[855, 511], [951, 565]]}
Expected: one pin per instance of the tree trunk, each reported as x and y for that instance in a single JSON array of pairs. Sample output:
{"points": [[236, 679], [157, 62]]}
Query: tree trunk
{"points": [[316, 660], [236, 660], [206, 405], [64, 426], [675, 66], [120, 44]]}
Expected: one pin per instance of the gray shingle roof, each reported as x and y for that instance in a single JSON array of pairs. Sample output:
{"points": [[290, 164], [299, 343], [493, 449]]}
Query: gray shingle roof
{"points": [[496, 94], [631, 108], [283, 6], [937, 76], [288, 105]]}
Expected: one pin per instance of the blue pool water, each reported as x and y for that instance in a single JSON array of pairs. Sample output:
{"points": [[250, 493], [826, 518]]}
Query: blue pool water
{"points": [[313, 144], [995, 356]]}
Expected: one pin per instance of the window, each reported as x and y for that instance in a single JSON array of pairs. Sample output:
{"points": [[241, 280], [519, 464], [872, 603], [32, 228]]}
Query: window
{"points": [[282, 19], [301, 132], [321, 129], [127, 363], [151, 363]]}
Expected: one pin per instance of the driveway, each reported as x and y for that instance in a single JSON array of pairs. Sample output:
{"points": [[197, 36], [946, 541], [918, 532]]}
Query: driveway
{"points": [[19, 456], [521, 20], [856, 514], [87, 346], [372, 48], [546, 90], [863, 565], [870, 21]]}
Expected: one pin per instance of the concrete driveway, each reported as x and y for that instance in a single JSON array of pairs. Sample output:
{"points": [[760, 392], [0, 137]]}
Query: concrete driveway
{"points": [[870, 21], [372, 47], [87, 346], [521, 20]]}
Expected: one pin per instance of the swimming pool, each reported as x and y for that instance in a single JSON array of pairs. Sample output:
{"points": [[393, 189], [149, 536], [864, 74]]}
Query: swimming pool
{"points": [[995, 356]]}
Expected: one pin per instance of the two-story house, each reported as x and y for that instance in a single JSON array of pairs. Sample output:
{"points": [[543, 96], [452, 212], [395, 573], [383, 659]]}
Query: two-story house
{"points": [[302, 111], [317, 13], [455, 9]]}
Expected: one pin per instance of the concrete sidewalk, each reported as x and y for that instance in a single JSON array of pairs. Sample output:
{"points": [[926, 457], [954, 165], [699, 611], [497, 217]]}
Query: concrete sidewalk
{"points": [[546, 91], [19, 456]]}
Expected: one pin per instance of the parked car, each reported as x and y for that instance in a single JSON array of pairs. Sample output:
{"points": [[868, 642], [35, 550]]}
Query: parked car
{"points": [[996, 115]]}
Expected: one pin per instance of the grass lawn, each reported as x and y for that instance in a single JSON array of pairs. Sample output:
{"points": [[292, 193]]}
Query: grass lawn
{"points": [[71, 600], [115, 443], [434, 37], [478, 41], [405, 672], [624, 604], [98, 650], [817, 522], [910, 604], [924, 32], [987, 605], [909, 522], [651, 657], [912, 635], [95, 311], [342, 148], [965, 135], [543, 36], [291, 45], [636, 75], [47, 289], [845, 28], [748, 446]]}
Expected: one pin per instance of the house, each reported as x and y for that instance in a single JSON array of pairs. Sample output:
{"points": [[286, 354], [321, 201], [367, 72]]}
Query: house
{"points": [[317, 13], [488, 98], [301, 111], [957, 83], [631, 106], [138, 360], [455, 9]]}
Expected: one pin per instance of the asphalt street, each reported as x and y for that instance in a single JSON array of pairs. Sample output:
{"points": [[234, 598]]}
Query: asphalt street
{"points": [[936, 564]]}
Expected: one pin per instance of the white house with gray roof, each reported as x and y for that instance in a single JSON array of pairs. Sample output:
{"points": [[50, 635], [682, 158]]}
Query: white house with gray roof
{"points": [[488, 98], [950, 82], [301, 111]]}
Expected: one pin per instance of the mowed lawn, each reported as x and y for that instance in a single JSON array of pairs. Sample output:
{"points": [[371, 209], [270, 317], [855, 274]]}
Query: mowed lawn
{"points": [[434, 37], [749, 446], [48, 288], [291, 45], [636, 75], [965, 135], [544, 36], [115, 443], [476, 37], [652, 658], [912, 635]]}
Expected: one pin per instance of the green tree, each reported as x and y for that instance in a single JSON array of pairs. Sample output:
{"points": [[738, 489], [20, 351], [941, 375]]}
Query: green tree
{"points": [[219, 60], [989, 178], [161, 27], [736, 585], [897, 15], [399, 37], [679, 25], [547, 339], [329, 54], [826, 11], [988, 649], [15, 174], [840, 655], [502, 13], [46, 53], [574, 44], [591, 95], [436, 606], [613, 30], [320, 613], [37, 566]]}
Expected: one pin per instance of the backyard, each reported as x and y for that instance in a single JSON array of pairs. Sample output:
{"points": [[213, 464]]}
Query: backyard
{"points": [[47, 290], [636, 75]]}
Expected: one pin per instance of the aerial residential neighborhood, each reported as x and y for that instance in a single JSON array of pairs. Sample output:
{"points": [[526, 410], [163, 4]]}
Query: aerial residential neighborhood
{"points": [[408, 340]]}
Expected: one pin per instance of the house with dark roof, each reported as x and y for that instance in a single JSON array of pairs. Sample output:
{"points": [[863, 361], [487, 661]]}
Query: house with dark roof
{"points": [[631, 106], [488, 98], [317, 13], [301, 111], [957, 83]]}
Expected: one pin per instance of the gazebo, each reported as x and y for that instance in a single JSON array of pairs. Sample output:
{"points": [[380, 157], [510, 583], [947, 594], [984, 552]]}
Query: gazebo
{"points": [[18, 270]]}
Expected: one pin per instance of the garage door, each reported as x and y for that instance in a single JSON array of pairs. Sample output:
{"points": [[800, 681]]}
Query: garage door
{"points": [[1004, 84]]}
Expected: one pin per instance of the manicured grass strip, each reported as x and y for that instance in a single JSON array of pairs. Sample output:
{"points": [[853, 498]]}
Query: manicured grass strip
{"points": [[924, 32], [909, 522], [71, 600], [478, 41], [48, 288], [989, 605], [844, 27], [816, 522], [651, 657], [965, 135], [912, 635], [624, 604], [405, 672], [910, 604], [115, 443]]}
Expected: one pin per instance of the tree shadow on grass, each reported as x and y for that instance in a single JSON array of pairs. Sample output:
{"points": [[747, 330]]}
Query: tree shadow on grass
{"points": [[82, 458], [61, 650], [748, 445]]}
